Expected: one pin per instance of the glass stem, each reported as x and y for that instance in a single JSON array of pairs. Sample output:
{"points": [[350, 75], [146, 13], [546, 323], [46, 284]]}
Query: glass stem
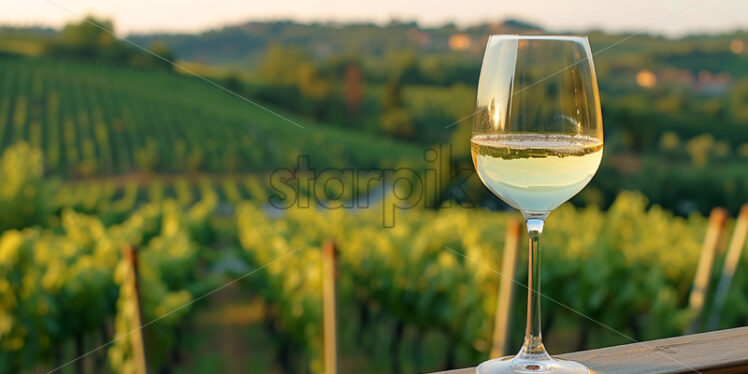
{"points": [[533, 347]]}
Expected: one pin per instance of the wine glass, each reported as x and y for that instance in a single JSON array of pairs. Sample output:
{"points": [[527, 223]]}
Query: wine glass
{"points": [[537, 141]]}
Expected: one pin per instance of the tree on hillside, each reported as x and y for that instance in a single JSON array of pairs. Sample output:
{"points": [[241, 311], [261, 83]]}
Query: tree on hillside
{"points": [[295, 81], [739, 100], [87, 40], [353, 90], [94, 39], [280, 65], [395, 119]]}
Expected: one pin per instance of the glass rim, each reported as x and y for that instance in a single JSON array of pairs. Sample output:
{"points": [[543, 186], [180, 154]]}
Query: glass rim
{"points": [[538, 37]]}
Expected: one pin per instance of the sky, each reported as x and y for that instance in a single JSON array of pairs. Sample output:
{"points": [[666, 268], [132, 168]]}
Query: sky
{"points": [[669, 17]]}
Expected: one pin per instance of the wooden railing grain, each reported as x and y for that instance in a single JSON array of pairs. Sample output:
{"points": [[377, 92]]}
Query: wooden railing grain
{"points": [[722, 352]]}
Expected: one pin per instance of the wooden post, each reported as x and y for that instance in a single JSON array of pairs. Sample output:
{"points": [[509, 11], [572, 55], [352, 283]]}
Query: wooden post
{"points": [[697, 297], [329, 274], [501, 331], [130, 255], [728, 271]]}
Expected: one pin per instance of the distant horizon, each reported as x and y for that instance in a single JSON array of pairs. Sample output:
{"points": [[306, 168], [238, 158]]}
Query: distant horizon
{"points": [[332, 22], [668, 18]]}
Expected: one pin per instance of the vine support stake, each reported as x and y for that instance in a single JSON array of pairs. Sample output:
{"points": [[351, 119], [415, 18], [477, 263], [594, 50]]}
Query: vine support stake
{"points": [[697, 298], [501, 331], [728, 271], [329, 275], [130, 255]]}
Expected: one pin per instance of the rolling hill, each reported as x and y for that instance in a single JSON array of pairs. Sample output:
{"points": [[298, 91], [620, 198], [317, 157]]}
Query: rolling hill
{"points": [[94, 119]]}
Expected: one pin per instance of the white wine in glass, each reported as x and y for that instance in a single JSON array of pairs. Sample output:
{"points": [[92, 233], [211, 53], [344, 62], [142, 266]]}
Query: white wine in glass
{"points": [[537, 141], [536, 172]]}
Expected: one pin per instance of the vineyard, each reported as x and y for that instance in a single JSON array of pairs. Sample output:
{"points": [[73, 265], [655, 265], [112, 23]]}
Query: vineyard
{"points": [[102, 164], [63, 278], [93, 119]]}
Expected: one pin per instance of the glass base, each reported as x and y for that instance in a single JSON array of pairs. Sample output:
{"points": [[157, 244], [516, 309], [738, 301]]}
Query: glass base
{"points": [[515, 364]]}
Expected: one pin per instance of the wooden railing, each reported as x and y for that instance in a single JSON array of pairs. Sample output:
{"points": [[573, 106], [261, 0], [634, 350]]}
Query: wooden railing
{"points": [[723, 352]]}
